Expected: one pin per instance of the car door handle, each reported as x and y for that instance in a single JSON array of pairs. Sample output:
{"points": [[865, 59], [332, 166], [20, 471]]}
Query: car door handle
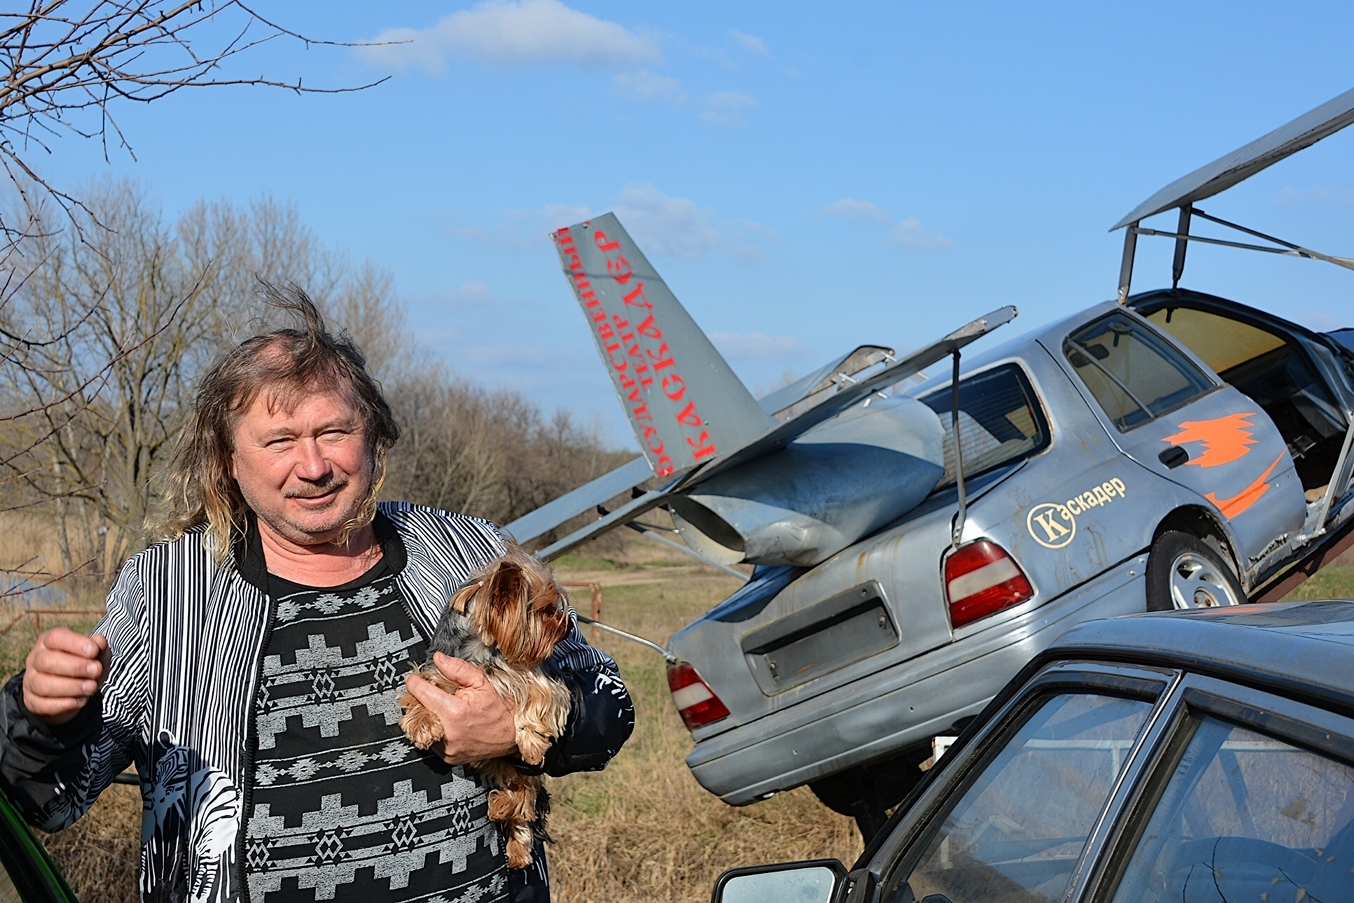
{"points": [[1173, 457]]}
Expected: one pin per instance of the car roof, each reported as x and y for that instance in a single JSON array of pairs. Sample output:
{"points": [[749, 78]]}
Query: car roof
{"points": [[1303, 649]]}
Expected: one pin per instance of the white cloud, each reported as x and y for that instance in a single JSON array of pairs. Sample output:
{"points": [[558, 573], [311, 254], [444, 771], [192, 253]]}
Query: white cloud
{"points": [[514, 32], [850, 207], [659, 223], [666, 225], [473, 293], [909, 233], [751, 43], [758, 346], [1318, 194], [641, 84], [557, 216], [726, 107]]}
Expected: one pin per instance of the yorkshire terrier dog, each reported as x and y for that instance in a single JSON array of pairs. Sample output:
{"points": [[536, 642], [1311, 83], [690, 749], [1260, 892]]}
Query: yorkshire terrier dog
{"points": [[506, 621]]}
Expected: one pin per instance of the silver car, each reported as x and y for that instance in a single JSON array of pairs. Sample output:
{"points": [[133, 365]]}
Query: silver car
{"points": [[915, 547], [1171, 453]]}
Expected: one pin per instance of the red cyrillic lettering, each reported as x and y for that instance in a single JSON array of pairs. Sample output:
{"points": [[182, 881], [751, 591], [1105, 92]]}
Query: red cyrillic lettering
{"points": [[650, 328], [663, 358], [664, 467], [689, 415], [703, 447], [619, 269], [602, 243], [672, 379], [638, 293]]}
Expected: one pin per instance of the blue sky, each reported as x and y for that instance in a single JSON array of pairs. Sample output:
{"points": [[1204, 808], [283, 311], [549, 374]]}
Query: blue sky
{"points": [[806, 176]]}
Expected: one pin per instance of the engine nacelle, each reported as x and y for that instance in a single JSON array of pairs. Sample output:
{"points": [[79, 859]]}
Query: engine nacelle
{"points": [[837, 483]]}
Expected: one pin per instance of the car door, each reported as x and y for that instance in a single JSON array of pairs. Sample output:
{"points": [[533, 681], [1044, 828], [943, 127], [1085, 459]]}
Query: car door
{"points": [[1010, 820], [27, 874], [1180, 421], [1249, 796]]}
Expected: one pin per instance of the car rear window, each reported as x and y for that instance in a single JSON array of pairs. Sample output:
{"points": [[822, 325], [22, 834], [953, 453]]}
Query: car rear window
{"points": [[1000, 421], [1134, 374]]}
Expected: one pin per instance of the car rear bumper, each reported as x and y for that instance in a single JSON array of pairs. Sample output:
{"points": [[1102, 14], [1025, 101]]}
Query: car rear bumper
{"points": [[904, 705]]}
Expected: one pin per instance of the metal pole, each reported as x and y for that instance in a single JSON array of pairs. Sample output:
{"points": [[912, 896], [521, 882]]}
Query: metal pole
{"points": [[1126, 266], [1178, 265], [958, 532]]}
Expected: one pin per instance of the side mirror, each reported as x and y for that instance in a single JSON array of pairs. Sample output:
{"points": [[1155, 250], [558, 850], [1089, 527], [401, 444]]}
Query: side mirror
{"points": [[812, 881]]}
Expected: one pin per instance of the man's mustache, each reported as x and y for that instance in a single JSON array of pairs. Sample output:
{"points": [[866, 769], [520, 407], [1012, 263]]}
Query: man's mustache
{"points": [[314, 490]]}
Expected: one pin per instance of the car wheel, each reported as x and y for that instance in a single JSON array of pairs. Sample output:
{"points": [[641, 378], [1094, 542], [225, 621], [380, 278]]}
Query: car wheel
{"points": [[1184, 571]]}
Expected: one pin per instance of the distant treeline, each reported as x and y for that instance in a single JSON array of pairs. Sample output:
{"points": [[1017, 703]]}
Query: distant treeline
{"points": [[109, 314]]}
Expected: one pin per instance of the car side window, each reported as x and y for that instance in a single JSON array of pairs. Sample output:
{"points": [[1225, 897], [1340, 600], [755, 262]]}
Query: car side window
{"points": [[1016, 833], [1247, 817], [1134, 374], [1000, 421]]}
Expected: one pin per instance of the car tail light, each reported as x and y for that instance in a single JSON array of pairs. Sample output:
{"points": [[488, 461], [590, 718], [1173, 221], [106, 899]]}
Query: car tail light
{"points": [[696, 702], [980, 579]]}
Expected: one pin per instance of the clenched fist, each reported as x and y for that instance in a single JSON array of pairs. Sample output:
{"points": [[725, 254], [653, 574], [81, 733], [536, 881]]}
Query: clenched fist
{"points": [[64, 670]]}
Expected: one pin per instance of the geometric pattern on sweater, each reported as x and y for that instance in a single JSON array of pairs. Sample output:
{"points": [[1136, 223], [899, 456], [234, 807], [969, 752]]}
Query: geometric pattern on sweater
{"points": [[344, 807]]}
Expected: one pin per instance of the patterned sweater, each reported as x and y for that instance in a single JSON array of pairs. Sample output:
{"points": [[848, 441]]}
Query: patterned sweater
{"points": [[187, 637]]}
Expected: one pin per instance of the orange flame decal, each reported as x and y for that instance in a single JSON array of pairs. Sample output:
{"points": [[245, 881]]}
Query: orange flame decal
{"points": [[1225, 439], [1238, 503]]}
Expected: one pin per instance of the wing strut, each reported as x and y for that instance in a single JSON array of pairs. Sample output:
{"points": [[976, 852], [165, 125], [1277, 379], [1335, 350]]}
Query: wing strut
{"points": [[649, 532], [957, 533]]}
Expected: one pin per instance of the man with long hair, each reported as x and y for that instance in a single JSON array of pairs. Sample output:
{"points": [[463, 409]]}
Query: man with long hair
{"points": [[249, 662]]}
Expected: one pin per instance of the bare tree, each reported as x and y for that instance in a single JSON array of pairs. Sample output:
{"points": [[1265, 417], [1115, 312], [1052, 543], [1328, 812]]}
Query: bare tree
{"points": [[65, 67], [66, 63], [137, 310], [482, 452]]}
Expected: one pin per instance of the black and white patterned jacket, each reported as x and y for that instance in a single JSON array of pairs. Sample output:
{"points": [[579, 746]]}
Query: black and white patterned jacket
{"points": [[187, 637]]}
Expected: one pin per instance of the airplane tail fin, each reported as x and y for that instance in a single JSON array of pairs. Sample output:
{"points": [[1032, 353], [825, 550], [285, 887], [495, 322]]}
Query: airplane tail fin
{"points": [[684, 402]]}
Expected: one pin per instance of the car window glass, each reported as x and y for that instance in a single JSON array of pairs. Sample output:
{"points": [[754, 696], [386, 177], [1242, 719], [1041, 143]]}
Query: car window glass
{"points": [[1133, 373], [999, 421], [1247, 817], [1220, 342], [1015, 834], [1274, 373]]}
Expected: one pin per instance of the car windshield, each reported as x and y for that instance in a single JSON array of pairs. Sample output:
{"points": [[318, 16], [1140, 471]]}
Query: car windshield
{"points": [[1247, 817], [1133, 373], [999, 421], [1016, 833]]}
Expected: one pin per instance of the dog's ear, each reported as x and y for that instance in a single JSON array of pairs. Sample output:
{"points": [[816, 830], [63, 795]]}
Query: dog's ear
{"points": [[521, 608]]}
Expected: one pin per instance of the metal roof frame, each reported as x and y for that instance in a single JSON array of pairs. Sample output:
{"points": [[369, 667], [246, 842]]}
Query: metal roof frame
{"points": [[1224, 172]]}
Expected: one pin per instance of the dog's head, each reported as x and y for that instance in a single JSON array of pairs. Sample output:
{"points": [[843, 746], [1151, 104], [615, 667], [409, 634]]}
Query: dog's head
{"points": [[517, 607]]}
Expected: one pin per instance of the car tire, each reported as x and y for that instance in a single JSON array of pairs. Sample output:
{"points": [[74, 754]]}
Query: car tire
{"points": [[1186, 571]]}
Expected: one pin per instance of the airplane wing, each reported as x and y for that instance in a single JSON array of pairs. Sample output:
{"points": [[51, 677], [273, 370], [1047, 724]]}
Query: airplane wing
{"points": [[583, 499], [758, 446], [847, 397]]}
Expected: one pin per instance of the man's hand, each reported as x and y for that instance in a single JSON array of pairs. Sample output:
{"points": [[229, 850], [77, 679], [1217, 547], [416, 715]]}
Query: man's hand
{"points": [[64, 670], [477, 723]]}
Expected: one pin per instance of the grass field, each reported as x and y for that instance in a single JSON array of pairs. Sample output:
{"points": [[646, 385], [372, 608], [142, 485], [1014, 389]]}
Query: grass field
{"points": [[643, 829]]}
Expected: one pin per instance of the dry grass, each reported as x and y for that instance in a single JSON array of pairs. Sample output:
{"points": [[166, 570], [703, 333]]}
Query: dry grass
{"points": [[644, 829]]}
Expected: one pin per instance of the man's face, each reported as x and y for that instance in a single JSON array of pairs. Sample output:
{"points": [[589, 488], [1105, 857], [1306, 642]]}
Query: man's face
{"points": [[303, 471]]}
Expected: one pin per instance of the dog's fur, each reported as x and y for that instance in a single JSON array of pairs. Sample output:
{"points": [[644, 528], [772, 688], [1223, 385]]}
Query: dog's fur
{"points": [[506, 621]]}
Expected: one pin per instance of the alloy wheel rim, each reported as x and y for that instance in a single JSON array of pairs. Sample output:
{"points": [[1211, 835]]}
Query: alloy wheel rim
{"points": [[1198, 583]]}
